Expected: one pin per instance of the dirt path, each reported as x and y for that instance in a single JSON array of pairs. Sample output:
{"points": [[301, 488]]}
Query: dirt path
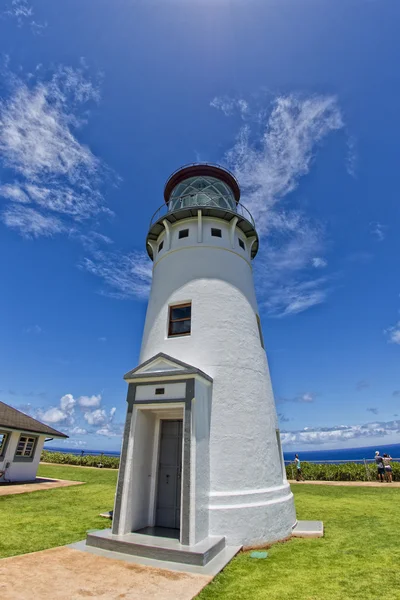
{"points": [[395, 484], [68, 574]]}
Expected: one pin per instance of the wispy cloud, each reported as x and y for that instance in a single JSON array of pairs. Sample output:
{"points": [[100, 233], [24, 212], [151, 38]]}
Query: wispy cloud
{"points": [[269, 165], [374, 411], [319, 263], [393, 333], [340, 433], [23, 13], [30, 223], [351, 158], [56, 179], [230, 106], [378, 231], [125, 275], [396, 393], [306, 398]]}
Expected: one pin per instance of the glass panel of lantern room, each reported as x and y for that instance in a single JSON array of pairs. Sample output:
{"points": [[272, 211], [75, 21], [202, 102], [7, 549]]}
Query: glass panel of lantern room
{"points": [[202, 191]]}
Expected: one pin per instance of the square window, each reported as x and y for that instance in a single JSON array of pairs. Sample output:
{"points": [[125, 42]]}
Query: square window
{"points": [[26, 446], [241, 243], [183, 233], [216, 232], [160, 391], [180, 318]]}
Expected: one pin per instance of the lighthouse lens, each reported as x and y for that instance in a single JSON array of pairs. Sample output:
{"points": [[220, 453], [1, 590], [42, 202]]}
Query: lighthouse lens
{"points": [[202, 191]]}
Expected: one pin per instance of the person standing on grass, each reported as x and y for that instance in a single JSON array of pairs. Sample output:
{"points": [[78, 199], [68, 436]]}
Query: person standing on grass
{"points": [[388, 468], [299, 475], [381, 466]]}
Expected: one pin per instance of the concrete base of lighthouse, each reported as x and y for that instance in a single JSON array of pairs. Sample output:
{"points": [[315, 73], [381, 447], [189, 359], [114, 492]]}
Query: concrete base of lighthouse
{"points": [[253, 518]]}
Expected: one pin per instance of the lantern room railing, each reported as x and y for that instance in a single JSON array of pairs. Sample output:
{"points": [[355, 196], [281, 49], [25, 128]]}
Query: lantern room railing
{"points": [[176, 207]]}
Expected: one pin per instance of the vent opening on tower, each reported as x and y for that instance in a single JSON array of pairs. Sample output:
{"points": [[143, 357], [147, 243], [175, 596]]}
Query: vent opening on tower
{"points": [[241, 243], [160, 246], [216, 232], [184, 233]]}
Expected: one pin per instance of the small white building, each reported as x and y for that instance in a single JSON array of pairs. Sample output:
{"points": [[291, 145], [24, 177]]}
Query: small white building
{"points": [[201, 458], [21, 444]]}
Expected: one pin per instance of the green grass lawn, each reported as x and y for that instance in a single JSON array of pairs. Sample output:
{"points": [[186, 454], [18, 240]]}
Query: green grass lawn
{"points": [[45, 519], [359, 556]]}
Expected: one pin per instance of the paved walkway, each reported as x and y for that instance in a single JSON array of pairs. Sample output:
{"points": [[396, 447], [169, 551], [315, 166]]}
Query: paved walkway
{"points": [[349, 483], [40, 483], [68, 574]]}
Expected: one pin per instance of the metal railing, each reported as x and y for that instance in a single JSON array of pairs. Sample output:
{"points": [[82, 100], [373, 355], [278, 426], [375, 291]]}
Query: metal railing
{"points": [[164, 210]]}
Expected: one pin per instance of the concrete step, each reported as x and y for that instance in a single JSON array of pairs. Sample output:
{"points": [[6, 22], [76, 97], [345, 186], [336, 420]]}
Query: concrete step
{"points": [[157, 548], [308, 529]]}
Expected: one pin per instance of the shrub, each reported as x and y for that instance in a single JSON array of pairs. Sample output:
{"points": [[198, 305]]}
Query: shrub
{"points": [[87, 460], [343, 472]]}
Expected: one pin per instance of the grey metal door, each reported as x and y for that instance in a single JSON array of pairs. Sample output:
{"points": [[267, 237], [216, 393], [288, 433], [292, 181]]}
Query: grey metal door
{"points": [[168, 508]]}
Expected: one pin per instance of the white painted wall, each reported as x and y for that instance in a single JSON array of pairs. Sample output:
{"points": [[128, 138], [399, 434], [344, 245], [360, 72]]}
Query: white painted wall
{"points": [[20, 471], [141, 469], [246, 479]]}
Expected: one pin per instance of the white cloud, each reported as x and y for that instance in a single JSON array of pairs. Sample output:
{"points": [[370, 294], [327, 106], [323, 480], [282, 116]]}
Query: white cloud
{"points": [[77, 431], [111, 429], [53, 170], [340, 433], [89, 401], [230, 105], [95, 417], [30, 223], [393, 333], [351, 158], [307, 397], [102, 339], [125, 275], [53, 415], [269, 166], [14, 192], [319, 263], [67, 403], [378, 231]]}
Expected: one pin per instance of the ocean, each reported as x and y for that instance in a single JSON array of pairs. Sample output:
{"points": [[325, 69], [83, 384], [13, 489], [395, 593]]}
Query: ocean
{"points": [[318, 456]]}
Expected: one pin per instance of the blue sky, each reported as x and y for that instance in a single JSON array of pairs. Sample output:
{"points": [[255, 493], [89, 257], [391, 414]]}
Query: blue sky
{"points": [[101, 101]]}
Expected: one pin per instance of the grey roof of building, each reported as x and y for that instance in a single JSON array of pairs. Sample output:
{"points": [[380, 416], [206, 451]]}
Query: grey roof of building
{"points": [[185, 370], [15, 419]]}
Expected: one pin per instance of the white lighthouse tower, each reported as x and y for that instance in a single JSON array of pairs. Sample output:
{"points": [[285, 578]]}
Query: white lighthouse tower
{"points": [[201, 458]]}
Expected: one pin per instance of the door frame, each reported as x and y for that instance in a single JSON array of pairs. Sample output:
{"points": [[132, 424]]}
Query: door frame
{"points": [[128, 487]]}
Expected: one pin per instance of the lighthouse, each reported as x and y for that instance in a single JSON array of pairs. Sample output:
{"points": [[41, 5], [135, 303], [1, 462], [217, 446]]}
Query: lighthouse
{"points": [[201, 458]]}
